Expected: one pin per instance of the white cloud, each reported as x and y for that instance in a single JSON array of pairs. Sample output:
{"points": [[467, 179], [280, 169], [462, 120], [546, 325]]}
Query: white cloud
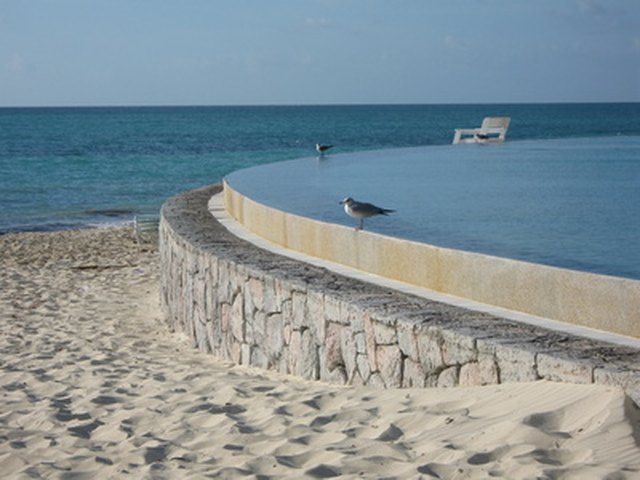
{"points": [[15, 64], [453, 42], [318, 22], [591, 7]]}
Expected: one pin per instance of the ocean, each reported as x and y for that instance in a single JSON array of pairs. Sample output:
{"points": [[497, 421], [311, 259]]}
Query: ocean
{"points": [[73, 167]]}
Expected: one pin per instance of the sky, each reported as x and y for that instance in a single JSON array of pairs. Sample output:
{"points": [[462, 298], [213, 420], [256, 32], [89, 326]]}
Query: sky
{"points": [[266, 52]]}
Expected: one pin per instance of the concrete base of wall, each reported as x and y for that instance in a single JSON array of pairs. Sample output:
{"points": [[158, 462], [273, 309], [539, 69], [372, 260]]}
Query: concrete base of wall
{"points": [[258, 308]]}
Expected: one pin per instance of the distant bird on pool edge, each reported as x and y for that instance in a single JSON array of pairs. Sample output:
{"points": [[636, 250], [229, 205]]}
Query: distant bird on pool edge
{"points": [[322, 148], [362, 210]]}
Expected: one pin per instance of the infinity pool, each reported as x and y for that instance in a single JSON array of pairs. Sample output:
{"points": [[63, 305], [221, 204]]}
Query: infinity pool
{"points": [[572, 203]]}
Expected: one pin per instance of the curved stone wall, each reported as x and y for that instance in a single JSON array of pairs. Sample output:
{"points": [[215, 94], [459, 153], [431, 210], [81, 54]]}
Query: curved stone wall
{"points": [[602, 302], [258, 308]]}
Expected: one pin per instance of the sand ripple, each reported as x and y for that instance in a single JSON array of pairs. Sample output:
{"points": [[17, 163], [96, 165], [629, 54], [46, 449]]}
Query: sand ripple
{"points": [[92, 385]]}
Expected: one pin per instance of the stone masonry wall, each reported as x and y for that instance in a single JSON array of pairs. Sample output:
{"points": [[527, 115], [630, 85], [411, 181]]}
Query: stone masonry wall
{"points": [[257, 308]]}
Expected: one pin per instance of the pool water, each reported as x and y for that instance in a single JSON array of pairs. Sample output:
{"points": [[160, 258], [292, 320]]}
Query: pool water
{"points": [[572, 203]]}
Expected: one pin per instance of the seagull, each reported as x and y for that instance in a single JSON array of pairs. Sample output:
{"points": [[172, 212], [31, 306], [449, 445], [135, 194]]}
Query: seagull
{"points": [[362, 210], [322, 148]]}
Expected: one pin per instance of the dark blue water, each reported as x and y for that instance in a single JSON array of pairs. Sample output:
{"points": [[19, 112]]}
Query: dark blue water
{"points": [[67, 167], [572, 202]]}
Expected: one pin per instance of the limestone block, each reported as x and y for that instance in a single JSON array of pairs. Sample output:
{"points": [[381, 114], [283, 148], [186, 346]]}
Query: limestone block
{"points": [[295, 353], [286, 332], [487, 346], [257, 326], [204, 263], [310, 366], [429, 351], [349, 351], [192, 264], [332, 312], [250, 332], [384, 334], [236, 319], [197, 311], [202, 339], [331, 375], [484, 372], [322, 362], [515, 363], [355, 316], [236, 280], [284, 361], [212, 270], [199, 295], [431, 380], [356, 380], [245, 354], [214, 335], [338, 376], [187, 297], [370, 342], [283, 291], [448, 377], [224, 278], [362, 361], [234, 350], [255, 290], [458, 348], [225, 318], [198, 272], [361, 342], [210, 303], [271, 299], [249, 308], [287, 313], [389, 360], [315, 316], [333, 347], [274, 335], [413, 374], [241, 274], [564, 369], [407, 340], [298, 310], [224, 275], [258, 358], [303, 356]]}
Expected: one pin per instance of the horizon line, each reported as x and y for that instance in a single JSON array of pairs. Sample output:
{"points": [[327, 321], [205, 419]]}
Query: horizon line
{"points": [[346, 104]]}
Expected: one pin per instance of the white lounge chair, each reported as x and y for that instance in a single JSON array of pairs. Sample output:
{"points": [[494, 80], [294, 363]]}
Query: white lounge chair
{"points": [[145, 228], [492, 130]]}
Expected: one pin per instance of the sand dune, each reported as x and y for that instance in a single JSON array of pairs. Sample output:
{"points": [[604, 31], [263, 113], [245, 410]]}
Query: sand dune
{"points": [[92, 385]]}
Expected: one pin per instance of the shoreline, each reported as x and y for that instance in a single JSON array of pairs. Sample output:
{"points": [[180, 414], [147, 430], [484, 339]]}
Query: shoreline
{"points": [[89, 225], [93, 384]]}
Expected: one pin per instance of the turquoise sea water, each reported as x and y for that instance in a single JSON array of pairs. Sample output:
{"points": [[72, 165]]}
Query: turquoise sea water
{"points": [[68, 167]]}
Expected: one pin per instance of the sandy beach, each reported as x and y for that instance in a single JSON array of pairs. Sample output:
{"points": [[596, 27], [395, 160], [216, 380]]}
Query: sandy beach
{"points": [[94, 385]]}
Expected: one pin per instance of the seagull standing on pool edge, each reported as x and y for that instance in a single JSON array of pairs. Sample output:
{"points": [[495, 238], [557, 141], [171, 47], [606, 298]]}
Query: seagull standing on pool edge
{"points": [[322, 148], [362, 210]]}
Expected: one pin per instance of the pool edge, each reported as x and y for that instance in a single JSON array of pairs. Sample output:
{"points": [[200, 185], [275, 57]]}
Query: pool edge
{"points": [[595, 301]]}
